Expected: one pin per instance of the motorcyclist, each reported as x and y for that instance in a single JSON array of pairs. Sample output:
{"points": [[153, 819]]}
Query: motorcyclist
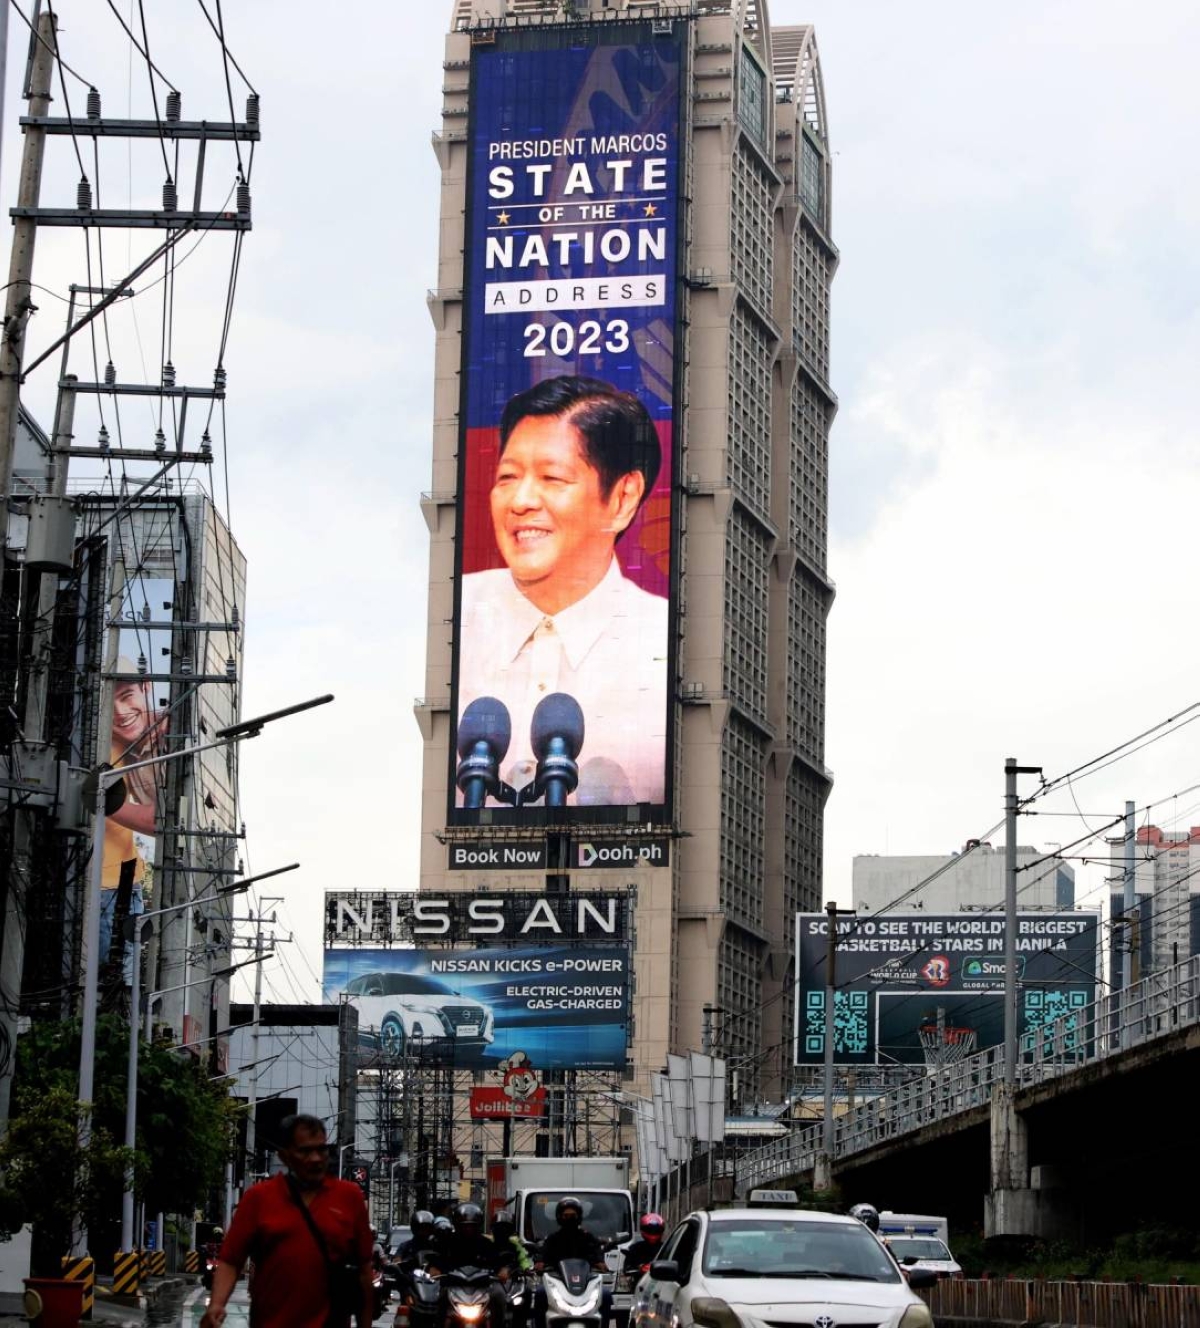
{"points": [[571, 1240], [644, 1251], [422, 1238], [516, 1261], [511, 1247], [468, 1247], [868, 1215]]}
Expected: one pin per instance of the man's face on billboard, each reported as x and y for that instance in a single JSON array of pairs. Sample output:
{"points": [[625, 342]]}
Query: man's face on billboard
{"points": [[133, 711], [553, 524]]}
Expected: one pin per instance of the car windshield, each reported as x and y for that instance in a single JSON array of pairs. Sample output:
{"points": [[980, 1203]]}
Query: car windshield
{"points": [[763, 1247], [409, 984], [604, 1215], [918, 1247]]}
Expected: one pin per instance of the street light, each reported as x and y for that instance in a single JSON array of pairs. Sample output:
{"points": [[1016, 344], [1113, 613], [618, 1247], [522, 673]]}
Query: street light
{"points": [[105, 779]]}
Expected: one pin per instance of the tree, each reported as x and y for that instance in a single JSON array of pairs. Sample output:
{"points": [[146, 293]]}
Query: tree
{"points": [[185, 1124], [48, 1179]]}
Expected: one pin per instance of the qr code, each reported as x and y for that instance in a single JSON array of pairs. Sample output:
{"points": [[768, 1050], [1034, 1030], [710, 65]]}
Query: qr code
{"points": [[850, 1023], [1042, 1011]]}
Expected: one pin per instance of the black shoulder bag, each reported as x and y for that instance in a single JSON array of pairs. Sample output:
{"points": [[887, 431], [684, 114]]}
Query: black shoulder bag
{"points": [[345, 1285]]}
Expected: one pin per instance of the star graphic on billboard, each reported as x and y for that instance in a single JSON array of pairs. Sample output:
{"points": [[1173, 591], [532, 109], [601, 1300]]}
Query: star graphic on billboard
{"points": [[502, 218], [651, 210]]}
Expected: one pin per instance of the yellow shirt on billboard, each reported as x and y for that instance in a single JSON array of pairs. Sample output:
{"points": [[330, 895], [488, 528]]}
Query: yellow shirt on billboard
{"points": [[119, 846]]}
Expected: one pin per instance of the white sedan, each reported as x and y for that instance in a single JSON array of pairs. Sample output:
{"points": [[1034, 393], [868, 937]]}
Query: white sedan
{"points": [[776, 1268]]}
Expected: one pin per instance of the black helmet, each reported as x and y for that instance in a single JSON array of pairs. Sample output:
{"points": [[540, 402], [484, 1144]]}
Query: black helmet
{"points": [[442, 1224], [468, 1219], [867, 1214], [503, 1227], [564, 1206], [421, 1222]]}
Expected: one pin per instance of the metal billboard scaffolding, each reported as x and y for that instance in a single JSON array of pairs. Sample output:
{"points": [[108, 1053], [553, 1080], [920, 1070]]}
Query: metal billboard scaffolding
{"points": [[429, 1152]]}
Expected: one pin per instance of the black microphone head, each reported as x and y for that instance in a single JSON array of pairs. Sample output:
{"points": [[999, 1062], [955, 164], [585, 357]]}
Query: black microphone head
{"points": [[485, 720], [557, 716]]}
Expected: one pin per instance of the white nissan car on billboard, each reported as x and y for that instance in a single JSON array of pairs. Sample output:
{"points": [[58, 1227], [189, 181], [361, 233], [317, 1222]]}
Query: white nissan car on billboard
{"points": [[410, 1007]]}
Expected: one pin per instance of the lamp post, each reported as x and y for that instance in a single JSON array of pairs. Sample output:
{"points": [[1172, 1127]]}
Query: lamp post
{"points": [[105, 779]]}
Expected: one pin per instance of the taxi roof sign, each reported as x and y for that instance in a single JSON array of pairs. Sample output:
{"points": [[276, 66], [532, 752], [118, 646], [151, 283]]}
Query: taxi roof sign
{"points": [[773, 1199]]}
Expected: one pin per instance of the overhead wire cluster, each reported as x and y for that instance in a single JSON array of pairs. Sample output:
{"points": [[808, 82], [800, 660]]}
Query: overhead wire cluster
{"points": [[159, 545], [1163, 729]]}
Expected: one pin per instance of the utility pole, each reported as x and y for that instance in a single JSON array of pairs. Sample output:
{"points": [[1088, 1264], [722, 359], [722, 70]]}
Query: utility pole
{"points": [[1011, 771], [252, 1098], [823, 1179], [18, 306], [1129, 894], [12, 348]]}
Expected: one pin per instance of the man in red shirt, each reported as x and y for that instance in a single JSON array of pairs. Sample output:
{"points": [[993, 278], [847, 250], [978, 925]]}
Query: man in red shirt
{"points": [[291, 1286]]}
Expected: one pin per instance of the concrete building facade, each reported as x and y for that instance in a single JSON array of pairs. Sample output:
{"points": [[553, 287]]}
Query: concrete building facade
{"points": [[1165, 920], [953, 882], [714, 960]]}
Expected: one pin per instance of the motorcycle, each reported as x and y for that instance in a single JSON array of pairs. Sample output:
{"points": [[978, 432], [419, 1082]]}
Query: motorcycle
{"points": [[468, 1293], [518, 1295], [574, 1295], [210, 1267], [420, 1296], [379, 1291]]}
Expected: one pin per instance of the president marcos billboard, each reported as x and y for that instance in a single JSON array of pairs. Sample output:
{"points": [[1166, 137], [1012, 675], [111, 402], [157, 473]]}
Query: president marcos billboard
{"points": [[915, 988], [563, 660]]}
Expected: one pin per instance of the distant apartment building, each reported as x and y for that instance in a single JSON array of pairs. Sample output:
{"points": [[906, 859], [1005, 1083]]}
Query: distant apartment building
{"points": [[972, 878], [1165, 922]]}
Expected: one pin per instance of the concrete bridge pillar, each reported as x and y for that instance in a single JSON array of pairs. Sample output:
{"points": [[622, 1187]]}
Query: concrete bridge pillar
{"points": [[1014, 1207]]}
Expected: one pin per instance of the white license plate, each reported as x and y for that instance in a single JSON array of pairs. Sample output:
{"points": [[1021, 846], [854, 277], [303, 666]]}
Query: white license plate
{"points": [[468, 1030]]}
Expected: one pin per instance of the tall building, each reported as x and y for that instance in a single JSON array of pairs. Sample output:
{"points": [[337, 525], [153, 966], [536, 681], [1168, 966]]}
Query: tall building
{"points": [[1165, 920], [952, 882], [691, 155], [146, 658]]}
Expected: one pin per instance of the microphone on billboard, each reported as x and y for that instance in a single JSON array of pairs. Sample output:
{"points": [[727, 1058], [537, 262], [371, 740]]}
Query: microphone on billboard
{"points": [[557, 735], [484, 732]]}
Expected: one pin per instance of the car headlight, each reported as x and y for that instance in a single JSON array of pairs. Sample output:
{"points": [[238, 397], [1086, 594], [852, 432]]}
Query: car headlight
{"points": [[712, 1312], [916, 1316]]}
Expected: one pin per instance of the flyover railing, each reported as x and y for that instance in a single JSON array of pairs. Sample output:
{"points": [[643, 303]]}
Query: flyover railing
{"points": [[1087, 1304], [1160, 1004]]}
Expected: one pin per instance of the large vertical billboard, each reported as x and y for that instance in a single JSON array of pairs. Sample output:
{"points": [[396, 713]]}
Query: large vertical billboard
{"points": [[912, 988], [563, 666], [140, 722]]}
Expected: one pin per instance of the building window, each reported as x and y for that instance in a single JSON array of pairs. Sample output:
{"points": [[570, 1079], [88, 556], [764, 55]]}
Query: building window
{"points": [[752, 97], [812, 180]]}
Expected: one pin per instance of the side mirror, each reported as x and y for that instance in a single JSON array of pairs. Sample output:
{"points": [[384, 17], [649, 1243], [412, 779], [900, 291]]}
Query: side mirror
{"points": [[921, 1279], [621, 1237], [665, 1270]]}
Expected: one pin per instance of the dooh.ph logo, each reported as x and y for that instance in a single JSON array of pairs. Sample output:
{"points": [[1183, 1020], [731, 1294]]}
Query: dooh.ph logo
{"points": [[936, 971]]}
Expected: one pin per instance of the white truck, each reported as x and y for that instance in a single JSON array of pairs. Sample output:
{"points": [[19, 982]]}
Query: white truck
{"points": [[534, 1185], [920, 1242]]}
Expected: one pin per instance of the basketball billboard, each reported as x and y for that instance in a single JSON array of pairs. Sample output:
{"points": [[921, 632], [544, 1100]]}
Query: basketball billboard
{"points": [[563, 673], [908, 986]]}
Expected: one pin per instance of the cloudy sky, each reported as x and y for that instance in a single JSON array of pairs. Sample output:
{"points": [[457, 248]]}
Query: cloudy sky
{"points": [[1015, 464]]}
